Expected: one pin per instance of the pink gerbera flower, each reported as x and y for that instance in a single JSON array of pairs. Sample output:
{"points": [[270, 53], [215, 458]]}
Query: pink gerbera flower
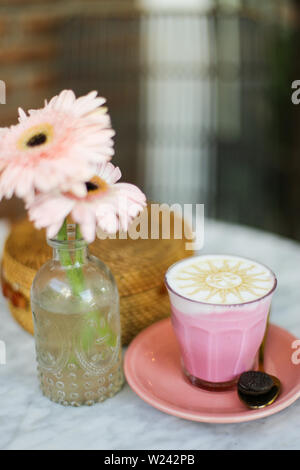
{"points": [[59, 145], [107, 205]]}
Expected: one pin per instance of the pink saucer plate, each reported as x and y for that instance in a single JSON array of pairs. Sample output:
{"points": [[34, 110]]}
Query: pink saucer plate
{"points": [[153, 370]]}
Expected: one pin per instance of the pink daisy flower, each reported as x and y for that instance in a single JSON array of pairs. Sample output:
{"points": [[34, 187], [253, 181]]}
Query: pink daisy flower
{"points": [[59, 145], [107, 205]]}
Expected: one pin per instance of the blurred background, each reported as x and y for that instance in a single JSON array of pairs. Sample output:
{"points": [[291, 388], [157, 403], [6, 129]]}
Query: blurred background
{"points": [[199, 92]]}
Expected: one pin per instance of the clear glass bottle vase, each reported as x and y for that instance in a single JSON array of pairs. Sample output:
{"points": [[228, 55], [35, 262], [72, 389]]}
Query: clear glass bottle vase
{"points": [[75, 305]]}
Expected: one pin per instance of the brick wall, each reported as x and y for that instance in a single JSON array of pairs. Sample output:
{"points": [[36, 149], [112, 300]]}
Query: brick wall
{"points": [[28, 48], [30, 45]]}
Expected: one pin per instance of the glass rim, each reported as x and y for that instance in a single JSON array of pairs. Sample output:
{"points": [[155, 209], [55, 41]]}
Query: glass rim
{"points": [[215, 304], [67, 244]]}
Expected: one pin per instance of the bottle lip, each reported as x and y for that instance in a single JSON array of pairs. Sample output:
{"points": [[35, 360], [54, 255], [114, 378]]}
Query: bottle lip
{"points": [[67, 244]]}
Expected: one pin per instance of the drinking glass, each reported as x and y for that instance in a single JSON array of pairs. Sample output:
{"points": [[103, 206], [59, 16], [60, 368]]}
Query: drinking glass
{"points": [[219, 341]]}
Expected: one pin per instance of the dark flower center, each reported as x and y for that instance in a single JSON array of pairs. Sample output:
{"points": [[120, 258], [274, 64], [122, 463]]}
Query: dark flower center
{"points": [[90, 186], [38, 139]]}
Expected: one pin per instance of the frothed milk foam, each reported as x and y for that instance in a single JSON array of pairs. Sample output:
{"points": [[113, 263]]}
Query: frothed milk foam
{"points": [[220, 306], [219, 279]]}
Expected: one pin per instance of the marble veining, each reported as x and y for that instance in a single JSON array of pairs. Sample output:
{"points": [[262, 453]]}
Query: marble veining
{"points": [[30, 421]]}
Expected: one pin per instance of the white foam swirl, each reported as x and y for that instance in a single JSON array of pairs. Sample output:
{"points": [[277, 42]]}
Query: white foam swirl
{"points": [[220, 279]]}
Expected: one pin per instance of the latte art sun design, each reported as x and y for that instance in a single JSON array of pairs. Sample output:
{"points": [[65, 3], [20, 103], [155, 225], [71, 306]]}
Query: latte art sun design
{"points": [[223, 280]]}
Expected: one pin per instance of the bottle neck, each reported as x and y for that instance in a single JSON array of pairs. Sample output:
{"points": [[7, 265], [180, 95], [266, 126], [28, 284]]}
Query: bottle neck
{"points": [[69, 252]]}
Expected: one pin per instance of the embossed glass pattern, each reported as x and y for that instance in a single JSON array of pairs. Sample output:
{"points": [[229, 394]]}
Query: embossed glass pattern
{"points": [[77, 327]]}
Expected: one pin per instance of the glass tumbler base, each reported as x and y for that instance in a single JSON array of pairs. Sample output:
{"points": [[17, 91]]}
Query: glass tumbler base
{"points": [[211, 386]]}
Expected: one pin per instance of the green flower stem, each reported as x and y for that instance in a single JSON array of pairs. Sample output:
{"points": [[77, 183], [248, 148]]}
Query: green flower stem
{"points": [[74, 273], [78, 236], [75, 276]]}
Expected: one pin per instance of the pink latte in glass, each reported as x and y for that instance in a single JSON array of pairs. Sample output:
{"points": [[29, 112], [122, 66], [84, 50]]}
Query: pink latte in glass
{"points": [[220, 306]]}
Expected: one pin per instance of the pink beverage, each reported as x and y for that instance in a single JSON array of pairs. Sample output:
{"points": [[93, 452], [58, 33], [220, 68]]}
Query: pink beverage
{"points": [[220, 308]]}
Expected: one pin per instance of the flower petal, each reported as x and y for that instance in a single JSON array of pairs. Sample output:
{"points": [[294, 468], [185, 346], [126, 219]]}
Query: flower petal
{"points": [[72, 148]]}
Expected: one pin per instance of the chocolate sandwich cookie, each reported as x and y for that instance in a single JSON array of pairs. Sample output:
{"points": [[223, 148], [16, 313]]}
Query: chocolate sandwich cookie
{"points": [[255, 383]]}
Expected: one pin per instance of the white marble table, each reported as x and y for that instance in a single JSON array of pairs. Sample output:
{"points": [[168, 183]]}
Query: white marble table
{"points": [[30, 421]]}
